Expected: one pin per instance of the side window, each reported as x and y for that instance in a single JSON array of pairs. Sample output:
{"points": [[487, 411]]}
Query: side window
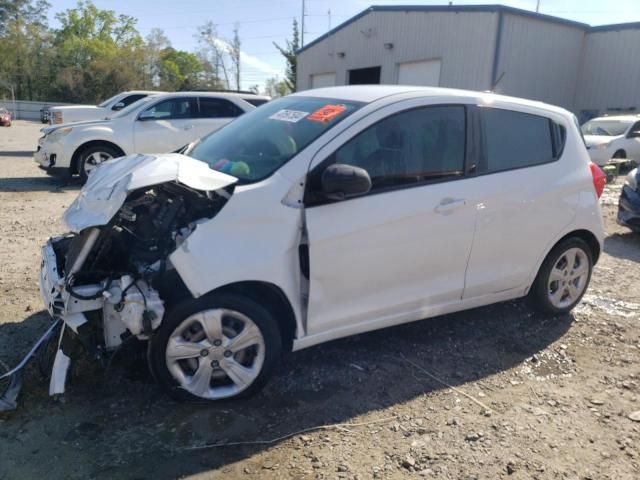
{"points": [[634, 131], [131, 98], [218, 108], [256, 102], [516, 139], [411, 147], [175, 108]]}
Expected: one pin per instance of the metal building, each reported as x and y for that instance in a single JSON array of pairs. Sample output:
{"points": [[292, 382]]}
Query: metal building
{"points": [[589, 70]]}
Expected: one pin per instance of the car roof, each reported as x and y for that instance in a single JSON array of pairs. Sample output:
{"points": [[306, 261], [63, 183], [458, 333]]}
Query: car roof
{"points": [[218, 94], [632, 118], [146, 92], [372, 93]]}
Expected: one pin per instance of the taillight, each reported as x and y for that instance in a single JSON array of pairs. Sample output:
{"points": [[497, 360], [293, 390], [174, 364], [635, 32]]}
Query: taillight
{"points": [[599, 178]]}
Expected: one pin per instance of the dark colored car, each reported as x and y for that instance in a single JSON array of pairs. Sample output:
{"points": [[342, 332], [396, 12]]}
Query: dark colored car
{"points": [[5, 118], [44, 114], [629, 203]]}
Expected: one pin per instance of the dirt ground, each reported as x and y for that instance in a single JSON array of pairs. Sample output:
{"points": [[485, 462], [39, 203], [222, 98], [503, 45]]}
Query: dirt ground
{"points": [[557, 393]]}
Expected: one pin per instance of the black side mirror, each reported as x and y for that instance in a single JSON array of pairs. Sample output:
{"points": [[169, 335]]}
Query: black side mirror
{"points": [[340, 181]]}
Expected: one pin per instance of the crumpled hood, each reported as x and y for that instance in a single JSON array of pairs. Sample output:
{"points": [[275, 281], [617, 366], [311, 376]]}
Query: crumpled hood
{"points": [[109, 185], [592, 140]]}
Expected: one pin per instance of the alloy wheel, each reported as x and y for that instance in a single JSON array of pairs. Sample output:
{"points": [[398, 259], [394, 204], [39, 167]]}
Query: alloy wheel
{"points": [[95, 159], [215, 353], [568, 278]]}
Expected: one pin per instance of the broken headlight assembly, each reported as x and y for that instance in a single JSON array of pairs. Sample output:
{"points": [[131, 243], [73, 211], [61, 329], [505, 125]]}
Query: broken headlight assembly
{"points": [[111, 282]]}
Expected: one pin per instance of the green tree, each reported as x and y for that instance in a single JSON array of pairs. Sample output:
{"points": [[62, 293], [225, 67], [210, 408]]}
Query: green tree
{"points": [[289, 52], [274, 87], [179, 70], [156, 42], [24, 45], [98, 53]]}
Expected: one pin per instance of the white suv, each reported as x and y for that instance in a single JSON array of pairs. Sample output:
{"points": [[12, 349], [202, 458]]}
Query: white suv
{"points": [[159, 123], [82, 113], [342, 210], [612, 137]]}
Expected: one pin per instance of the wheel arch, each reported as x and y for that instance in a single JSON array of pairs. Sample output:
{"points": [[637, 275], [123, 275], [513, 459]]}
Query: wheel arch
{"points": [[620, 150], [588, 237], [584, 234], [75, 158], [273, 299]]}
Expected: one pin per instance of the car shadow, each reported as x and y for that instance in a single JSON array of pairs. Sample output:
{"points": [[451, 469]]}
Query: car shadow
{"points": [[623, 245], [130, 429], [39, 184], [20, 153]]}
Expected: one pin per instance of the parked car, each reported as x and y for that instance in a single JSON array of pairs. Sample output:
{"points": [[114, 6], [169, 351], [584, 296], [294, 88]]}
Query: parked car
{"points": [[82, 113], [5, 117], [44, 113], [158, 123], [612, 137], [320, 215], [629, 203]]}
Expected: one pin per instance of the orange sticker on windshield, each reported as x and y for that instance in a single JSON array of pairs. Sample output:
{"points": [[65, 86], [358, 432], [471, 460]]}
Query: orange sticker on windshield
{"points": [[327, 113]]}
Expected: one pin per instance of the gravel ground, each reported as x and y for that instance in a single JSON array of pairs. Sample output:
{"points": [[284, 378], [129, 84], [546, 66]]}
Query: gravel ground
{"points": [[495, 392]]}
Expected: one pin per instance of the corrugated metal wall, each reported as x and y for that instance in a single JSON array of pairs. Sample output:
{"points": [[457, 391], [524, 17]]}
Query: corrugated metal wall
{"points": [[540, 60], [610, 71], [587, 71], [464, 41]]}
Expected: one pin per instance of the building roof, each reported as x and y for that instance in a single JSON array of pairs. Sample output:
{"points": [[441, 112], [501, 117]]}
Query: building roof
{"points": [[472, 8]]}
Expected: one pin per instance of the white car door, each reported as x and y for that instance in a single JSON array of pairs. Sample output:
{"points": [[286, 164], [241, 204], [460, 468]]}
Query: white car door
{"points": [[400, 251], [523, 197], [166, 126], [215, 113]]}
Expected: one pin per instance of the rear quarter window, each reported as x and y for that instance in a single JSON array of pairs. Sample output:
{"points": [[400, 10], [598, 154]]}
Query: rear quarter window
{"points": [[516, 140]]}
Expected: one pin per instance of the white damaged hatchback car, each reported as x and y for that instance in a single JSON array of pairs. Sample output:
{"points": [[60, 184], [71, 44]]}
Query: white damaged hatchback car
{"points": [[321, 215]]}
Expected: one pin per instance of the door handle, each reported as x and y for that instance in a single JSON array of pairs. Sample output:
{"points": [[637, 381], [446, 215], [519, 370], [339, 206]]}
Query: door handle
{"points": [[448, 205], [188, 127]]}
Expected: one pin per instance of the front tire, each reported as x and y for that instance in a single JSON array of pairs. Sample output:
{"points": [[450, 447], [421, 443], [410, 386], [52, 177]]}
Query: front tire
{"points": [[217, 347], [91, 157], [563, 277]]}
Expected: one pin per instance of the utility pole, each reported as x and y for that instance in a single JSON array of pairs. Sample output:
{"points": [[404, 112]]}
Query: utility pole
{"points": [[302, 24], [538, 6], [329, 15]]}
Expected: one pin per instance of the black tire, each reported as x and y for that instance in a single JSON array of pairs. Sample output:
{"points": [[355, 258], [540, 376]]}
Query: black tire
{"points": [[260, 316], [539, 294], [620, 154], [86, 153]]}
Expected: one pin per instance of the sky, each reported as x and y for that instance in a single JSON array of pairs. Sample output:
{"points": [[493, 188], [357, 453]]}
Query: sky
{"points": [[262, 22]]}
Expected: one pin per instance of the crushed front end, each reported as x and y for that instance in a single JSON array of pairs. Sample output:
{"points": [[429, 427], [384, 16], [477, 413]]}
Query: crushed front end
{"points": [[110, 279]]}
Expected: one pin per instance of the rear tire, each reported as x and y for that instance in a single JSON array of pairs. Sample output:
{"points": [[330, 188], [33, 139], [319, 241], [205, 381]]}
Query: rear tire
{"points": [[91, 157], [215, 348], [563, 277]]}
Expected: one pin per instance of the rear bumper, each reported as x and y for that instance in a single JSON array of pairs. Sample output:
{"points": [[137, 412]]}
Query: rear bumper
{"points": [[629, 208]]}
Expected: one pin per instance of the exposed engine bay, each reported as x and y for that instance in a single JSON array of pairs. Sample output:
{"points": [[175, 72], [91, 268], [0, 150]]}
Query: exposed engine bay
{"points": [[114, 274]]}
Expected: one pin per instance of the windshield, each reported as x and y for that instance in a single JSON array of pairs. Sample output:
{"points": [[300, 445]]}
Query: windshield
{"points": [[258, 143], [130, 108], [609, 128], [107, 101]]}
